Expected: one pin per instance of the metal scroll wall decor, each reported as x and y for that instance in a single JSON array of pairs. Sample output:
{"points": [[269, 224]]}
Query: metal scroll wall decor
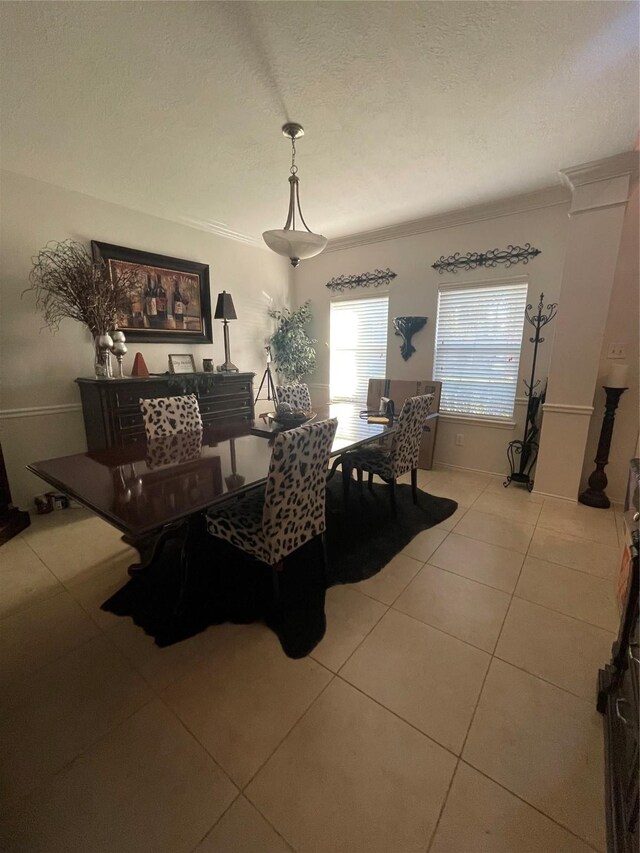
{"points": [[365, 279], [406, 327], [509, 256], [522, 454]]}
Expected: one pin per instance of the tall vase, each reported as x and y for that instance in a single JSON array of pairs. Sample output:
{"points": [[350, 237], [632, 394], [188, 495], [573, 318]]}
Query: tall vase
{"points": [[102, 346]]}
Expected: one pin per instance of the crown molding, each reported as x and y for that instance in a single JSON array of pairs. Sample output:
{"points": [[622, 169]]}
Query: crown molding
{"points": [[617, 166], [548, 197], [221, 230]]}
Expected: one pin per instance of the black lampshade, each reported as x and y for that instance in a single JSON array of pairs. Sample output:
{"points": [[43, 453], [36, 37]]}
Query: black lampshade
{"points": [[224, 307]]}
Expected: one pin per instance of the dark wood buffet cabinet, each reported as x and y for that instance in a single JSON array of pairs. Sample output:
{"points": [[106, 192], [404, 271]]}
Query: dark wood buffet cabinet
{"points": [[618, 701], [111, 407]]}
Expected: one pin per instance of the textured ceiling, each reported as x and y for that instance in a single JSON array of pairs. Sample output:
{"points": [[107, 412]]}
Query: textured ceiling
{"points": [[409, 108]]}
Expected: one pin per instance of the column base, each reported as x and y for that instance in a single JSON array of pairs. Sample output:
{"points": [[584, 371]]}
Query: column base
{"points": [[590, 497]]}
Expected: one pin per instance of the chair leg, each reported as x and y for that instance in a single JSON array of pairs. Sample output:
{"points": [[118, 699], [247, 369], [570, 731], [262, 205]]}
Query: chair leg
{"points": [[275, 583], [414, 485], [370, 481], [347, 469], [336, 462], [325, 563], [359, 469], [392, 494]]}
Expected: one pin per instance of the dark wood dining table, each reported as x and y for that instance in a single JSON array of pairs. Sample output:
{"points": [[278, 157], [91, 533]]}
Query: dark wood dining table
{"points": [[157, 493], [142, 488]]}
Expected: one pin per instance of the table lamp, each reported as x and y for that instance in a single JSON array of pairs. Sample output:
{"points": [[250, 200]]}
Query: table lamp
{"points": [[225, 312]]}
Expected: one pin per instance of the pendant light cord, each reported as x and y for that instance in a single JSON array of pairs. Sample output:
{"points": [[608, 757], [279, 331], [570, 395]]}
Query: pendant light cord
{"points": [[294, 171]]}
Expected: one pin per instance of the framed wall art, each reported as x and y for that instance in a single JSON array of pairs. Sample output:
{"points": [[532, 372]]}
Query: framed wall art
{"points": [[173, 303]]}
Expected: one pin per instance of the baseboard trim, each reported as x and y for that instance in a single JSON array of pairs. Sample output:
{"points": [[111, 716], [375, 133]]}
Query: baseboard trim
{"points": [[555, 497], [447, 466]]}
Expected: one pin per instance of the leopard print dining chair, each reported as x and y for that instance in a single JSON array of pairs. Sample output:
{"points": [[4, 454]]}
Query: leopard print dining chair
{"points": [[297, 396], [273, 522], [165, 416], [394, 460]]}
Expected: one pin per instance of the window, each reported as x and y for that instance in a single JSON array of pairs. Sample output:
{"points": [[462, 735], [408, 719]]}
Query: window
{"points": [[478, 341], [358, 346]]}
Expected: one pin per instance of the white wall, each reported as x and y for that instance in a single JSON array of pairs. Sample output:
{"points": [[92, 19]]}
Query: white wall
{"points": [[37, 368], [621, 327], [415, 292]]}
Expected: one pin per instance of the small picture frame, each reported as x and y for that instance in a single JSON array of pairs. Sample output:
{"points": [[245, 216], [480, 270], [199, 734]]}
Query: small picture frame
{"points": [[181, 363]]}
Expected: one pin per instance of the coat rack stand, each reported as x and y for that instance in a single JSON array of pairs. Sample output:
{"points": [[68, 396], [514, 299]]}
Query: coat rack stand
{"points": [[522, 453]]}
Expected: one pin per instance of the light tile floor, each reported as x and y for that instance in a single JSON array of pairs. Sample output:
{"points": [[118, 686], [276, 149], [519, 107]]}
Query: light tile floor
{"points": [[450, 707]]}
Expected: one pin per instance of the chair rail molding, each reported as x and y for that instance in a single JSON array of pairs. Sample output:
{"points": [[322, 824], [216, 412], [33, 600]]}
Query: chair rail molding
{"points": [[39, 411], [567, 409]]}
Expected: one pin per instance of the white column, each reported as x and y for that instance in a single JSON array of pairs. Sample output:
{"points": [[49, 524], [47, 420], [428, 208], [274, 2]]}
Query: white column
{"points": [[599, 195]]}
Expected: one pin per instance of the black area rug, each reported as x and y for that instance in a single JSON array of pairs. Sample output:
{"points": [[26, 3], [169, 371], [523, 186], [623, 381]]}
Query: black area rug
{"points": [[225, 585]]}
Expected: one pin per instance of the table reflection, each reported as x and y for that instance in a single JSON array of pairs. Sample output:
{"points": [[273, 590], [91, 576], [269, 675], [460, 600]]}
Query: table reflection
{"points": [[234, 481], [174, 449]]}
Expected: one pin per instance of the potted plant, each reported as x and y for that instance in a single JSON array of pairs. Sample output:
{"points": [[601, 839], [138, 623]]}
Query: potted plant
{"points": [[67, 282], [293, 351]]}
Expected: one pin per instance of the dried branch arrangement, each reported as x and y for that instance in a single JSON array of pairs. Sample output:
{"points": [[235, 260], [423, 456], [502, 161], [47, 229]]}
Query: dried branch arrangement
{"points": [[67, 282]]}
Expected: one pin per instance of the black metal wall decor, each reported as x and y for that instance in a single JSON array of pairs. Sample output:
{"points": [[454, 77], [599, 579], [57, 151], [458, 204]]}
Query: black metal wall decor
{"points": [[406, 327], [525, 451], [365, 279], [491, 258]]}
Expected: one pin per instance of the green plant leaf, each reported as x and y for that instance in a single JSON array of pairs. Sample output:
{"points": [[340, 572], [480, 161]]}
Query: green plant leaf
{"points": [[293, 350]]}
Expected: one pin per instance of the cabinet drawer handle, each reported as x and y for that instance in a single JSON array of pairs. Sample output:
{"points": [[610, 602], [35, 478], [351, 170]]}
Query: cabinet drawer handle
{"points": [[631, 654], [619, 715]]}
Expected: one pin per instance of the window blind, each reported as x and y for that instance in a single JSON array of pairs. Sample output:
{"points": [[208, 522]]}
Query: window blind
{"points": [[478, 342], [358, 346]]}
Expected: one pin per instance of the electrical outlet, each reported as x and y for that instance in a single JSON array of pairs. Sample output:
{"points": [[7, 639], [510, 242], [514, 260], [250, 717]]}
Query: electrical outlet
{"points": [[617, 351], [459, 439]]}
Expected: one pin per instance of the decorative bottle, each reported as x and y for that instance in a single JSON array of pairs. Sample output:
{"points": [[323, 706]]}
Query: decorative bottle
{"points": [[161, 303], [151, 308], [178, 305]]}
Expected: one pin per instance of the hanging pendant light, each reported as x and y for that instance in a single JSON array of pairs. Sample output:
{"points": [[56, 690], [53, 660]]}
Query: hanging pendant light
{"points": [[293, 244]]}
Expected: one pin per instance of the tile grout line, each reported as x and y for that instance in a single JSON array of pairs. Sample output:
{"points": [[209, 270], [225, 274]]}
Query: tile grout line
{"points": [[480, 692], [395, 714], [239, 789], [22, 800], [492, 655], [349, 656], [562, 613], [535, 808], [304, 713], [495, 657], [473, 580], [276, 748]]}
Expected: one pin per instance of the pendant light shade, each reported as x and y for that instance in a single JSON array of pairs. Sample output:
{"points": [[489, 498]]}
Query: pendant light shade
{"points": [[288, 241], [296, 245]]}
